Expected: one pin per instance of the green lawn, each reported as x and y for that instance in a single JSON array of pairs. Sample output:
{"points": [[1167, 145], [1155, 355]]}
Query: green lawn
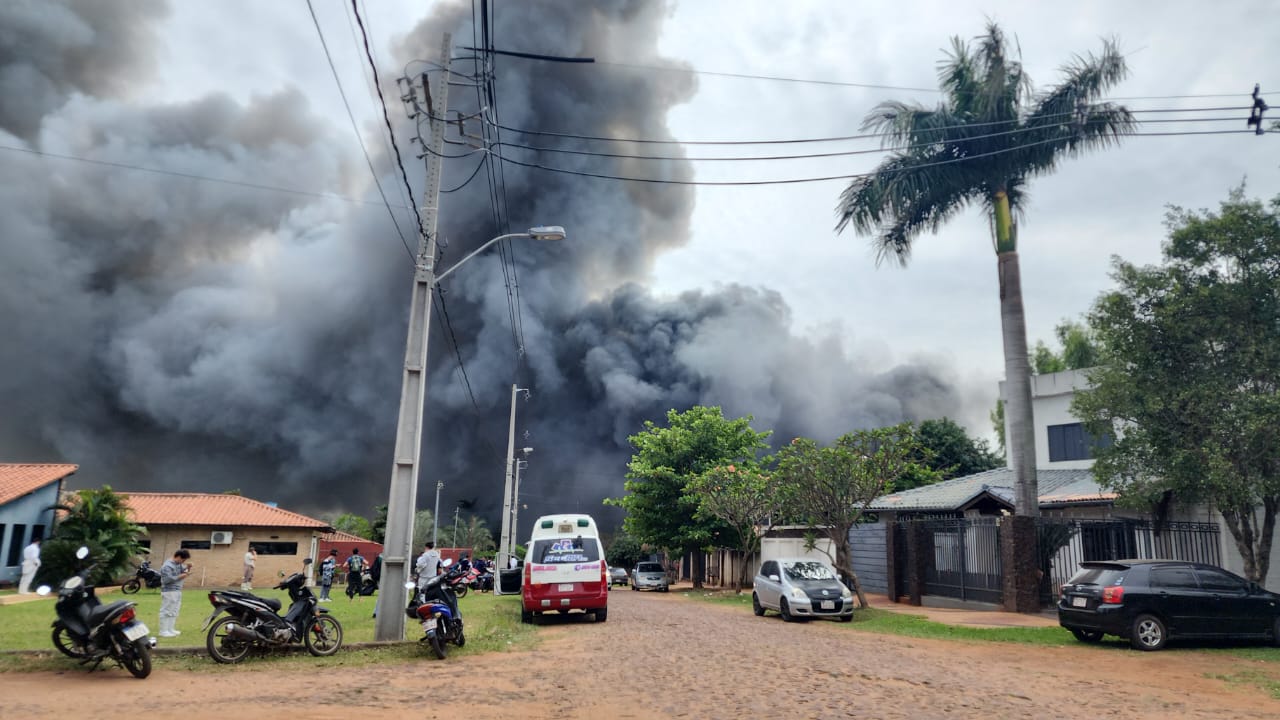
{"points": [[493, 624]]}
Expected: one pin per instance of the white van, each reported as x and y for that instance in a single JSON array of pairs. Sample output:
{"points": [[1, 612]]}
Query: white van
{"points": [[564, 568]]}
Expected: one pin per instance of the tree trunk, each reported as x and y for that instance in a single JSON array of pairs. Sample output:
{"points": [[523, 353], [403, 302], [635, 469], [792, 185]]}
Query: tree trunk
{"points": [[844, 561], [1254, 543], [699, 568], [1017, 373]]}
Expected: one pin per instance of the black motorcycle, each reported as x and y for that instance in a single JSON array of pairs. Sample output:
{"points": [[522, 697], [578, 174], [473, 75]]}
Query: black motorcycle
{"points": [[435, 605], [89, 631], [254, 622], [145, 576]]}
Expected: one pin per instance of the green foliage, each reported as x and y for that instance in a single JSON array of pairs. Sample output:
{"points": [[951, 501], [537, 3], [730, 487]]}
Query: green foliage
{"points": [[1045, 361], [378, 526], [624, 551], [947, 452], [997, 424], [830, 487], [1189, 385], [743, 498], [100, 520], [423, 523], [659, 511], [353, 524], [1079, 350], [473, 532], [58, 562]]}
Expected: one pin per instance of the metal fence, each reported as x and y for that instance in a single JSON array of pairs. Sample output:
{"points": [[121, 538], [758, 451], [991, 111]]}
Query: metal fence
{"points": [[1064, 544], [965, 562]]}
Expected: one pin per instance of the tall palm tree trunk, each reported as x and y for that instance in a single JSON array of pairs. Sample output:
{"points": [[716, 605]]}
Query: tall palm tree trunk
{"points": [[1017, 366]]}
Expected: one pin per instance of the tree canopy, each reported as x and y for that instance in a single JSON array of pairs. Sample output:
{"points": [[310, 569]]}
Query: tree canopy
{"points": [[742, 497], [1189, 385], [947, 452], [100, 520]]}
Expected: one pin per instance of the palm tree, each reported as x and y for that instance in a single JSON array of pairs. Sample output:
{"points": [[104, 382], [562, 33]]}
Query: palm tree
{"points": [[980, 145]]}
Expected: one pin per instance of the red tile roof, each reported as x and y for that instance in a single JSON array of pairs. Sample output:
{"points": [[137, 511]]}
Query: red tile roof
{"points": [[211, 509], [18, 479], [337, 536]]}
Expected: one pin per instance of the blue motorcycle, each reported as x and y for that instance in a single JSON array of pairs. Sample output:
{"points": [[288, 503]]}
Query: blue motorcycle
{"points": [[435, 605]]}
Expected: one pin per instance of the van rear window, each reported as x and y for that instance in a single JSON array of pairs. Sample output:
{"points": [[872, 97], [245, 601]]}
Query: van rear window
{"points": [[565, 550]]}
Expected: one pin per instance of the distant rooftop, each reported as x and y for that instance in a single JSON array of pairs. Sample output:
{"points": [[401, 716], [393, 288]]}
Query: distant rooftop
{"points": [[1057, 488]]}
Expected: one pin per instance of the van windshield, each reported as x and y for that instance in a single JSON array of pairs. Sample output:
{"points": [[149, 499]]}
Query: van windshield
{"points": [[565, 550]]}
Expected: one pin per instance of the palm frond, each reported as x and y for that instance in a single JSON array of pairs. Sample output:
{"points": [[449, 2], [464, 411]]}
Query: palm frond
{"points": [[896, 120]]}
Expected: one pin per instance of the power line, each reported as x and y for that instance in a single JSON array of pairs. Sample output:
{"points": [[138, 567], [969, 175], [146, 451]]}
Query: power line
{"points": [[794, 181], [385, 119], [356, 129], [192, 176]]}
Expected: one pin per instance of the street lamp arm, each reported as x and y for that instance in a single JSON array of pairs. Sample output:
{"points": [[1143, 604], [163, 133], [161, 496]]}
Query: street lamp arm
{"points": [[479, 250]]}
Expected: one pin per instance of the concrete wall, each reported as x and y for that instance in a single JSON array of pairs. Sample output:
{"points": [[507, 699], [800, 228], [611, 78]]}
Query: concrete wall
{"points": [[774, 548], [1051, 405], [222, 565], [29, 510]]}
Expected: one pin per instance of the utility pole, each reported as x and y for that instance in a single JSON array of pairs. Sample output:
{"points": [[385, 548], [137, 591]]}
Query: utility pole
{"points": [[515, 503], [455, 526], [504, 540], [402, 500], [435, 515]]}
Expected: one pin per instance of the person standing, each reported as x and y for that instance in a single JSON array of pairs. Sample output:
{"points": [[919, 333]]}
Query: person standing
{"points": [[172, 573], [328, 567], [355, 573], [30, 563], [428, 565], [250, 560]]}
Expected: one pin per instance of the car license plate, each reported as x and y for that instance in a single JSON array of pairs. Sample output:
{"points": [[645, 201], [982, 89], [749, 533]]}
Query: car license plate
{"points": [[428, 625], [136, 631], [1079, 602], [566, 587], [828, 604]]}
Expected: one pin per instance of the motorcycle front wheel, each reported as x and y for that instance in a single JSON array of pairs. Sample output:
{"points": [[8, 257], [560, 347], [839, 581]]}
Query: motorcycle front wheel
{"points": [[131, 586], [136, 657], [62, 640], [324, 636], [460, 590], [224, 647]]}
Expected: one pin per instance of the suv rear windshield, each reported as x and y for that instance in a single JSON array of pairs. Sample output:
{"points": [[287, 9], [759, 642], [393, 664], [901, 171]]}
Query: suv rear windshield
{"points": [[649, 567], [1102, 575], [565, 550]]}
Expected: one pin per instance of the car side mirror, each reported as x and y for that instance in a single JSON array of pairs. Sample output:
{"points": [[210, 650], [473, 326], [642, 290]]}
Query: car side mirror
{"points": [[774, 578], [1254, 587]]}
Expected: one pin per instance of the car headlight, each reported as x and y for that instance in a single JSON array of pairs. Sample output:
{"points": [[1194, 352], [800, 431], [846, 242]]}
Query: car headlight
{"points": [[797, 593], [847, 595]]}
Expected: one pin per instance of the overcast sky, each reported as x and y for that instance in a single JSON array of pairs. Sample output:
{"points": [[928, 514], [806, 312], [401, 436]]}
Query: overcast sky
{"points": [[944, 304], [235, 298]]}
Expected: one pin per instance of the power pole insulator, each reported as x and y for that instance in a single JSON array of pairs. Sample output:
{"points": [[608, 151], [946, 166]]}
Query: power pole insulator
{"points": [[1255, 113]]}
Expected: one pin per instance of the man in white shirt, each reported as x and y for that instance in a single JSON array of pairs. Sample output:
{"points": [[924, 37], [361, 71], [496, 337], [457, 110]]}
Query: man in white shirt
{"points": [[428, 564], [30, 563]]}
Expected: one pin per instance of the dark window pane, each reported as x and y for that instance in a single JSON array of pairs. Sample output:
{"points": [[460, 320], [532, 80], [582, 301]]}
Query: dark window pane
{"points": [[1219, 580], [1174, 578], [275, 548], [194, 545], [37, 532], [17, 541]]}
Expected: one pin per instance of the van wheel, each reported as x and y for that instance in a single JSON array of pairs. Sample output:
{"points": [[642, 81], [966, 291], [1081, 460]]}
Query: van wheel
{"points": [[602, 614], [1148, 633], [526, 617]]}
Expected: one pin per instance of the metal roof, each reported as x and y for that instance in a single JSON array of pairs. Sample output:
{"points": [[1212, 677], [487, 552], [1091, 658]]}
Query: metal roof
{"points": [[1057, 488]]}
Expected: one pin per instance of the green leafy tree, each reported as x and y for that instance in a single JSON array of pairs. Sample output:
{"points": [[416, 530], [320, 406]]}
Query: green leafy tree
{"points": [[353, 524], [1189, 385], [981, 145], [474, 533], [997, 424], [625, 551], [378, 526], [100, 520], [947, 452], [423, 524], [742, 497], [1079, 350], [831, 486], [659, 511]]}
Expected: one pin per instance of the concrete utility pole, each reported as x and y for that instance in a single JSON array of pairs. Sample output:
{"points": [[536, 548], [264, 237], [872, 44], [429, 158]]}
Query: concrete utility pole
{"points": [[402, 500], [515, 503], [435, 515], [504, 540]]}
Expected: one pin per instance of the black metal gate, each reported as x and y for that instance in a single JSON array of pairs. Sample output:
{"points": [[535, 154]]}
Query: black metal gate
{"points": [[965, 559]]}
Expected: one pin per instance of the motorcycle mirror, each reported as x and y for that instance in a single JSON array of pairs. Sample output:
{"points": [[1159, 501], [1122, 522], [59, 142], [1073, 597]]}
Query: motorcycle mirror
{"points": [[409, 586], [44, 590], [82, 552], [73, 582], [446, 562], [308, 561]]}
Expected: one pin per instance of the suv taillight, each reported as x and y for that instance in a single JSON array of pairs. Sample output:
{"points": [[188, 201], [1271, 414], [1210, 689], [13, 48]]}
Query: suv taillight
{"points": [[1113, 595]]}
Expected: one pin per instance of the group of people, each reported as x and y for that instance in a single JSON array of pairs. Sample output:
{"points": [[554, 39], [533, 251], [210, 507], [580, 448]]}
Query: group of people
{"points": [[356, 566]]}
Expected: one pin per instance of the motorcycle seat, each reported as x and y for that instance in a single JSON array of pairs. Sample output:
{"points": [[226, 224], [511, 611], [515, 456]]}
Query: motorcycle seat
{"points": [[273, 603], [102, 612]]}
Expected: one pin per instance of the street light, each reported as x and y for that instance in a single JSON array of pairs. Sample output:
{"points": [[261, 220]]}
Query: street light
{"points": [[402, 499]]}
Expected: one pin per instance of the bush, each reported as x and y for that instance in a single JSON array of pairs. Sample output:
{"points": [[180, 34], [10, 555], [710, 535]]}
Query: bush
{"points": [[58, 562]]}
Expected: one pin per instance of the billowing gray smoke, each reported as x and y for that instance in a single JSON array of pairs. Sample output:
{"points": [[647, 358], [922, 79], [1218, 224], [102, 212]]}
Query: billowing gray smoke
{"points": [[167, 333]]}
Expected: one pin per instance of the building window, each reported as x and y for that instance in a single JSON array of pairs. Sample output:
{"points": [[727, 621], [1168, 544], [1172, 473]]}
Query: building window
{"points": [[194, 545], [1073, 442], [37, 532], [275, 548], [16, 543]]}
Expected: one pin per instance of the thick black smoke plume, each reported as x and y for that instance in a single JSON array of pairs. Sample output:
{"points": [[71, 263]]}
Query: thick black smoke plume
{"points": [[166, 333]]}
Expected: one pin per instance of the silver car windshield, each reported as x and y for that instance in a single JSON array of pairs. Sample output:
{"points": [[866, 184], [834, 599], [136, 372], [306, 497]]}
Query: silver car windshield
{"points": [[808, 570]]}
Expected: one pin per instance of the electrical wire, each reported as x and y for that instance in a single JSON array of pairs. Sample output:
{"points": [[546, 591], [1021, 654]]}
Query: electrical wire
{"points": [[443, 310], [475, 172], [385, 118], [356, 129], [794, 181]]}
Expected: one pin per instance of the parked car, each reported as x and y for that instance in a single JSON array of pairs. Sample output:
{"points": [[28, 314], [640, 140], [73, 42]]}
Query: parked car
{"points": [[1150, 601], [618, 576], [801, 588], [649, 576]]}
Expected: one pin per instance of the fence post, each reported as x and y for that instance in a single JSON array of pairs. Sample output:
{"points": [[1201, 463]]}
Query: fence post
{"points": [[919, 546], [1021, 582]]}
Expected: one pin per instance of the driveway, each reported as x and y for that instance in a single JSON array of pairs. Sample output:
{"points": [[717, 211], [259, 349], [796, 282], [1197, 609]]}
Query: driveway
{"points": [[668, 656]]}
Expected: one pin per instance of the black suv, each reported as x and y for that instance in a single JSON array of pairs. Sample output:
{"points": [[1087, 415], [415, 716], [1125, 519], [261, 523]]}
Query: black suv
{"points": [[1150, 601]]}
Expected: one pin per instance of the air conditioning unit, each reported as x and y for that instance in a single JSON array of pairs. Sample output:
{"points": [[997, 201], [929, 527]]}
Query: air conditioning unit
{"points": [[220, 537]]}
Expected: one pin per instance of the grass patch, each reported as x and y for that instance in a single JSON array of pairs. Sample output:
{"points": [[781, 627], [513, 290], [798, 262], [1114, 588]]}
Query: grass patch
{"points": [[492, 625], [1268, 682]]}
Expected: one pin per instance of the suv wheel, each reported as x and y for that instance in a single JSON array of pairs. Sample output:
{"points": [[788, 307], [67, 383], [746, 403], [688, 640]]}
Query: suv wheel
{"points": [[1148, 633], [758, 609]]}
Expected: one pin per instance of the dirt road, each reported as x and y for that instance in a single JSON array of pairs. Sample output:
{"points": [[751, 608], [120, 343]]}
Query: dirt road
{"points": [[666, 656]]}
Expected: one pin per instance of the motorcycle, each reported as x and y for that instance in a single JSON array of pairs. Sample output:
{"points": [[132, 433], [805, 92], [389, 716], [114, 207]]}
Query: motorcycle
{"points": [[462, 580], [145, 576], [483, 581], [89, 631], [435, 605], [254, 622]]}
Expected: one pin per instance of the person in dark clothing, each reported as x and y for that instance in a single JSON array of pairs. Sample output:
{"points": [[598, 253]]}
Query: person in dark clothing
{"points": [[355, 573]]}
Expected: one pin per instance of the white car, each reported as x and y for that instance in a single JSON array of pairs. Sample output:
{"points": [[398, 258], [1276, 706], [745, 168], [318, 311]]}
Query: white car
{"points": [[801, 588]]}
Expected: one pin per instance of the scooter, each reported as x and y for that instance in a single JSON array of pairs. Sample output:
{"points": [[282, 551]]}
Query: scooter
{"points": [[89, 631], [145, 575], [254, 622], [482, 581], [436, 606]]}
